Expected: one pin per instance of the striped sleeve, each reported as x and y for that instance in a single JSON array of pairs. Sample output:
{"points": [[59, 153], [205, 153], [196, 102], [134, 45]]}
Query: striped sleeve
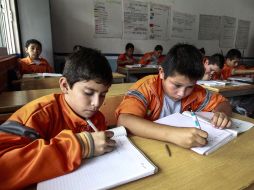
{"points": [[87, 144]]}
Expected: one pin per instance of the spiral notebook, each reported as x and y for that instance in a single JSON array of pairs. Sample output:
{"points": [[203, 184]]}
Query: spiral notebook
{"points": [[216, 137], [125, 164]]}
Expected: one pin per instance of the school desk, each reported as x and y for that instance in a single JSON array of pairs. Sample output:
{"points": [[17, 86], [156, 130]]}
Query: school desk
{"points": [[231, 91], [228, 168], [142, 70], [51, 82], [13, 100]]}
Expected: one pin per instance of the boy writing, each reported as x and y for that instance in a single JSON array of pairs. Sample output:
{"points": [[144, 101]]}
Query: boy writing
{"points": [[173, 90], [154, 58], [127, 57], [33, 63], [213, 64], [55, 132]]}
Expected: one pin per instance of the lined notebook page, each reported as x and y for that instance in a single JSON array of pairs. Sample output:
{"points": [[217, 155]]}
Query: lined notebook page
{"points": [[216, 137], [126, 163]]}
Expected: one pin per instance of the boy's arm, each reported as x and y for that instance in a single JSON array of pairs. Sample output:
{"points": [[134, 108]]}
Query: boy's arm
{"points": [[222, 113], [184, 137]]}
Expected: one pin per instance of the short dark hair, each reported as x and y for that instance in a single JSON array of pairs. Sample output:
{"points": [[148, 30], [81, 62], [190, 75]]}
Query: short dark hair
{"points": [[184, 59], [87, 64], [158, 47], [233, 54], [32, 41], [217, 59], [128, 46], [77, 47], [202, 50]]}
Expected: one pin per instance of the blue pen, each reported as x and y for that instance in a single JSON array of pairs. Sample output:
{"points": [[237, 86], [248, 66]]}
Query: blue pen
{"points": [[195, 119]]}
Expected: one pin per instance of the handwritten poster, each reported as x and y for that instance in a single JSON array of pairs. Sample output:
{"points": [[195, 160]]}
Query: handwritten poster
{"points": [[227, 33], [135, 20], [242, 35], [159, 21], [183, 25], [107, 18], [209, 27]]}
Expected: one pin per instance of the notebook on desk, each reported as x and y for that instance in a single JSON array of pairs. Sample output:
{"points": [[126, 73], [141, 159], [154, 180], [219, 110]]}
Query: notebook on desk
{"points": [[125, 164], [242, 79], [216, 137], [41, 75]]}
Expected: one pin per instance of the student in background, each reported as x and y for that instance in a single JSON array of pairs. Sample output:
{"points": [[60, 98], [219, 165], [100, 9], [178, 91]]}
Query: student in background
{"points": [[61, 133], [173, 90], [231, 66], [213, 64], [127, 57], [33, 63], [153, 58]]}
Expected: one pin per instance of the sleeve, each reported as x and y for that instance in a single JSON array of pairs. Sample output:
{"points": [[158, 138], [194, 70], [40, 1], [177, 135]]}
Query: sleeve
{"points": [[143, 60], [49, 69], [25, 161], [135, 102], [226, 72]]}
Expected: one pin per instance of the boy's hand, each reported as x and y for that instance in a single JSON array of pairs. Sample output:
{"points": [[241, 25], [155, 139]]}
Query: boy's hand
{"points": [[221, 120], [103, 142], [191, 137]]}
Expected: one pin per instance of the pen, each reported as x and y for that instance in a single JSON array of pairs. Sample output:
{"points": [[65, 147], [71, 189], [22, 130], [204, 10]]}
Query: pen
{"points": [[91, 125], [168, 150], [195, 119]]}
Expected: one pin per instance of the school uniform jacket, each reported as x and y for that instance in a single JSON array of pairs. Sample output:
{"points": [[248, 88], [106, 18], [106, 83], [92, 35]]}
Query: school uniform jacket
{"points": [[27, 66], [144, 61], [58, 151], [123, 57], [145, 99]]}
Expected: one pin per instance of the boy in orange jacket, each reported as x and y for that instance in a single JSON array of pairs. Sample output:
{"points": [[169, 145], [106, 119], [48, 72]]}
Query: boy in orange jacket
{"points": [[173, 90], [33, 63], [51, 136], [154, 58]]}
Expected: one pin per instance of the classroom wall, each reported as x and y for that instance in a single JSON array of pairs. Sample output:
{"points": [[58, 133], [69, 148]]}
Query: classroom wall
{"points": [[73, 23], [34, 20]]}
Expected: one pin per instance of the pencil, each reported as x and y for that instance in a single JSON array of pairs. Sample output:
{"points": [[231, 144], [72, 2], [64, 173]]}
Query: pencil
{"points": [[195, 119], [168, 150], [92, 125]]}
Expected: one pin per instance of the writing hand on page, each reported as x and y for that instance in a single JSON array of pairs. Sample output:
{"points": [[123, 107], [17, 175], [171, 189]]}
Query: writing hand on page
{"points": [[103, 142], [190, 137], [221, 120]]}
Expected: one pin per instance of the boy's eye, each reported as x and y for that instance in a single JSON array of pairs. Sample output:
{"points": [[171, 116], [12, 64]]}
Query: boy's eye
{"points": [[88, 93], [178, 85]]}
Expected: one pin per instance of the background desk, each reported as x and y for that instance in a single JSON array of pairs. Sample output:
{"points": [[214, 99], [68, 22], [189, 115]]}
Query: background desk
{"points": [[230, 91], [228, 168], [142, 70], [11, 101], [51, 82]]}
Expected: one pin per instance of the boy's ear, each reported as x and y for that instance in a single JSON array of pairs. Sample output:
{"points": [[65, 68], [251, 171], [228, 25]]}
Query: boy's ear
{"points": [[64, 86], [161, 73]]}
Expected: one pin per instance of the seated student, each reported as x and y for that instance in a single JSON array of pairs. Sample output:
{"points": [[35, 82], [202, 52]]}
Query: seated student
{"points": [[127, 57], [213, 64], [33, 63], [231, 66], [173, 90], [61, 133], [154, 58]]}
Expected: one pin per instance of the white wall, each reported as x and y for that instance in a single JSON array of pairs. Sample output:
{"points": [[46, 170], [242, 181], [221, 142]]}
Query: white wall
{"points": [[34, 19], [72, 23]]}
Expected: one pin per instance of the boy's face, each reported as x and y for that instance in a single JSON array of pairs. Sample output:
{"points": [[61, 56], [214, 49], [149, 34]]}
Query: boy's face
{"points": [[157, 53], [129, 52], [85, 97], [211, 69], [233, 62], [34, 51], [178, 86]]}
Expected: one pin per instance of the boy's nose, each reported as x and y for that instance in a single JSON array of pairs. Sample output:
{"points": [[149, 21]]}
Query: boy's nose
{"points": [[95, 101]]}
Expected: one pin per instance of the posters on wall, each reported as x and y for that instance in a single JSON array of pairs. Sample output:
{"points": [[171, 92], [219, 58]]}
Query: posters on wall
{"points": [[183, 25], [107, 18], [135, 24], [227, 33], [209, 27], [159, 22], [242, 34]]}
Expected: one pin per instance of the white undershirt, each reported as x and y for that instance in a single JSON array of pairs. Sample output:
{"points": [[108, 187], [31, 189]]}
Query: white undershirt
{"points": [[170, 106]]}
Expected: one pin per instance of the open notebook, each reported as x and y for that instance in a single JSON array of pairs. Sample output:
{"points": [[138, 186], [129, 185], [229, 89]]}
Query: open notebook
{"points": [[126, 163], [39, 75], [216, 137]]}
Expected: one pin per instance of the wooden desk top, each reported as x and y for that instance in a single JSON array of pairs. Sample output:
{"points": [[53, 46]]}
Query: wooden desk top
{"points": [[13, 100], [230, 167], [230, 91], [125, 70]]}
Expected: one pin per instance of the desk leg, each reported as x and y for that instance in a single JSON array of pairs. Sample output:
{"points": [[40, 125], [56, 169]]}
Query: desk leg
{"points": [[127, 76]]}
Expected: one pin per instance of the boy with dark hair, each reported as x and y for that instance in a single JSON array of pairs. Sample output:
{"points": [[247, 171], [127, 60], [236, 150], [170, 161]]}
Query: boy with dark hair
{"points": [[173, 90], [127, 57], [33, 63], [213, 64], [154, 58], [56, 132]]}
